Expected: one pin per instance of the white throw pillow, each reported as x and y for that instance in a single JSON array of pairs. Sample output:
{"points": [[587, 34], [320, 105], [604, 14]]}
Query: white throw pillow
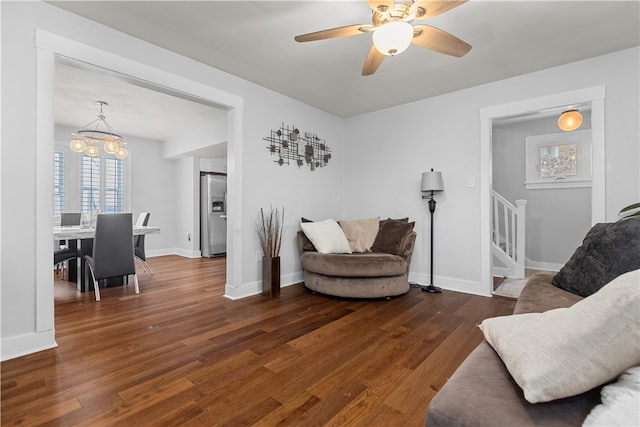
{"points": [[360, 233], [620, 402], [567, 351], [326, 236]]}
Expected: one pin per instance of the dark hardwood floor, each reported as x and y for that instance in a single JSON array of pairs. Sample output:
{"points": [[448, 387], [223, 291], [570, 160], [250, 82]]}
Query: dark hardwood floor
{"points": [[182, 354]]}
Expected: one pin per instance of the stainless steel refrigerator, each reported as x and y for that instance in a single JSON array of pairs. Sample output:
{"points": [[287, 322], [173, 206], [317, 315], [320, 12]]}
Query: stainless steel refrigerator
{"points": [[213, 215]]}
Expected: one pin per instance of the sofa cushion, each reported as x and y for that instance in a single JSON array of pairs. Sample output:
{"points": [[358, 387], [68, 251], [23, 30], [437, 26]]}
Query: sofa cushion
{"points": [[327, 236], [360, 233], [481, 392], [391, 236], [608, 250], [370, 264], [567, 351], [540, 295]]}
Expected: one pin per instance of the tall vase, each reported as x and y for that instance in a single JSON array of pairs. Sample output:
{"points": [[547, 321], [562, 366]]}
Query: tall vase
{"points": [[271, 276]]}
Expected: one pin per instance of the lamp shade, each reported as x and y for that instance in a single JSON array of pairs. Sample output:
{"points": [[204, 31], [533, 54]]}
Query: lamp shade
{"points": [[393, 37], [570, 120], [432, 181]]}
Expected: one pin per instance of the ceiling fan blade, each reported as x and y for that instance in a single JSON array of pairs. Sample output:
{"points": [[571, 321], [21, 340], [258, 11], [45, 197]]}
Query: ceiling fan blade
{"points": [[381, 6], [349, 30], [436, 39], [433, 8], [373, 61]]}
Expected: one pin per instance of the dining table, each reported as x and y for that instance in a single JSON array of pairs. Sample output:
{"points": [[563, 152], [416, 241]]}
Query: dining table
{"points": [[82, 238]]}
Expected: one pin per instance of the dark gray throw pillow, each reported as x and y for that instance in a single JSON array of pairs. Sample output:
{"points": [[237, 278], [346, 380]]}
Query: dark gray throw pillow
{"points": [[306, 243], [391, 236], [607, 251]]}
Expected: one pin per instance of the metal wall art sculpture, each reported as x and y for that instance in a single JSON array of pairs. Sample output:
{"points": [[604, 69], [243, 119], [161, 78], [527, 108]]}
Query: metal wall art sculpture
{"points": [[291, 146]]}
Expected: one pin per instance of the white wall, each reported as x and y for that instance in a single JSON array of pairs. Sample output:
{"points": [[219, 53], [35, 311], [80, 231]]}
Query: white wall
{"points": [[27, 319], [187, 203], [215, 164], [153, 190], [557, 219], [196, 139], [386, 152], [300, 191]]}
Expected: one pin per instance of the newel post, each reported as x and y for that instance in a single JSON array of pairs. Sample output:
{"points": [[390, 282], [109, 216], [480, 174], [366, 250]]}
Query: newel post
{"points": [[521, 236]]}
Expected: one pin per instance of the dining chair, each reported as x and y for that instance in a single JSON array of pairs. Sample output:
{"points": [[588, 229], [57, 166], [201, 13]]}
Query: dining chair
{"points": [[64, 252], [138, 245], [112, 250], [70, 218]]}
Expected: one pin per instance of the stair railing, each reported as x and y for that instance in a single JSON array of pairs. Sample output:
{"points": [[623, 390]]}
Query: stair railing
{"points": [[509, 232]]}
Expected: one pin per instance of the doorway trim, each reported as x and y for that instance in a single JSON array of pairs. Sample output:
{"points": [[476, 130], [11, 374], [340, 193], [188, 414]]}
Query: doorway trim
{"points": [[594, 95], [49, 46]]}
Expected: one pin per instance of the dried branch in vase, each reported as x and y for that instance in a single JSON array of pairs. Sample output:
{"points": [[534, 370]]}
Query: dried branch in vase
{"points": [[270, 228]]}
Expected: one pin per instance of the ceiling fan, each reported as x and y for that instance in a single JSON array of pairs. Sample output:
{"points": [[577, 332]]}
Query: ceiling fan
{"points": [[393, 32]]}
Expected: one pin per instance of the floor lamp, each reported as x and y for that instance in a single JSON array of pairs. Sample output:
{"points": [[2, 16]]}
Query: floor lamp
{"points": [[431, 182]]}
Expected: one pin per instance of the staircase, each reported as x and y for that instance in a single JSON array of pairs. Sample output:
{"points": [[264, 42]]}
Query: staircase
{"points": [[508, 235]]}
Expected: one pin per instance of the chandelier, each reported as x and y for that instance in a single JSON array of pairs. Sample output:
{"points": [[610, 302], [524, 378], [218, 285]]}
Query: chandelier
{"points": [[86, 139]]}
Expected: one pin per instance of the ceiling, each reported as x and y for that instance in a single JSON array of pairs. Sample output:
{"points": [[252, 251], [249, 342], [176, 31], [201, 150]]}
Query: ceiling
{"points": [[132, 110], [254, 40]]}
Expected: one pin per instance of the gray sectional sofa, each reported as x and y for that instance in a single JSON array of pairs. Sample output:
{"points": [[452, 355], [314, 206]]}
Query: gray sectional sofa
{"points": [[483, 391]]}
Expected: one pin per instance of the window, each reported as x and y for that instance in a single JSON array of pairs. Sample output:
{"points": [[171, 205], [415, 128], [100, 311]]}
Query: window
{"points": [[559, 160], [102, 185], [85, 184], [90, 186], [58, 182], [114, 186]]}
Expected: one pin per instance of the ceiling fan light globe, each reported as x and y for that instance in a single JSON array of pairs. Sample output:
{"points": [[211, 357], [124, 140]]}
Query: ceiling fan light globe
{"points": [[393, 38]]}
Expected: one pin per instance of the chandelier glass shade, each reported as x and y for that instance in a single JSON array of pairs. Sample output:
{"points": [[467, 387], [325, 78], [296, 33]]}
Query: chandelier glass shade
{"points": [[570, 120], [86, 140], [393, 38]]}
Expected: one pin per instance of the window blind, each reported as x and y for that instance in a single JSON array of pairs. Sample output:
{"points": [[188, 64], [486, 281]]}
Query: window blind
{"points": [[114, 186], [58, 182], [102, 185], [90, 184]]}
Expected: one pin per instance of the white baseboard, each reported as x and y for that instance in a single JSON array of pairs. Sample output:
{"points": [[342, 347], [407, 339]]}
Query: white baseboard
{"points": [[549, 266], [533, 265], [160, 252], [501, 271], [22, 345], [173, 251], [255, 288], [451, 284], [187, 253]]}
